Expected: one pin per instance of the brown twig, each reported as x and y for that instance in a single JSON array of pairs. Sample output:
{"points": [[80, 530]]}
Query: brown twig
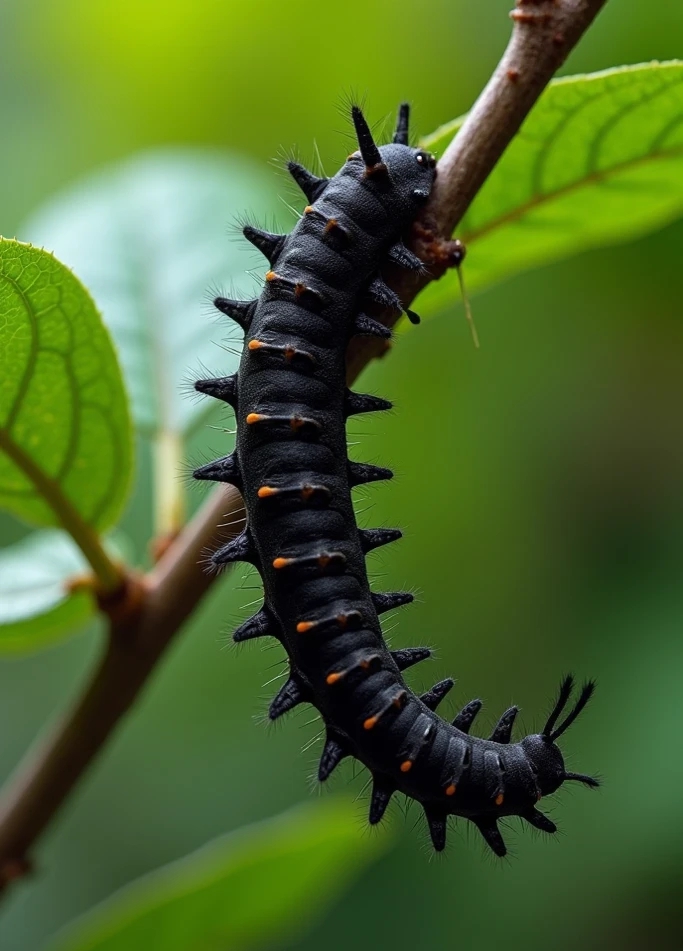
{"points": [[143, 622], [544, 34]]}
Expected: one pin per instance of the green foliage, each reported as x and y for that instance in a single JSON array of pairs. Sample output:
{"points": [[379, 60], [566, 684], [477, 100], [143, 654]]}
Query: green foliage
{"points": [[598, 161], [264, 882], [150, 239], [36, 608], [65, 440]]}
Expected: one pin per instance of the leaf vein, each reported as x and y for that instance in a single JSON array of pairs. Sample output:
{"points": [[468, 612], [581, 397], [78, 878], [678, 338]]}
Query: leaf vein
{"points": [[518, 213], [593, 157], [32, 356]]}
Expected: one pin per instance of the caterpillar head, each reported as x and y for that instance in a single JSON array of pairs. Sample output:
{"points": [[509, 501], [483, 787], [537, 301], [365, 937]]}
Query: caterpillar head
{"points": [[409, 172], [542, 750]]}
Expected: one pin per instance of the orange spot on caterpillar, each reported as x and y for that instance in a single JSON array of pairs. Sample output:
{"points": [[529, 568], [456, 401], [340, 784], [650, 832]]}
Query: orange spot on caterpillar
{"points": [[253, 418], [271, 276], [400, 699], [304, 626], [299, 289], [331, 224], [306, 492], [499, 799], [324, 560], [450, 790], [266, 491], [333, 678], [370, 722], [255, 344], [309, 209], [290, 353], [342, 620], [367, 662], [281, 562], [296, 422], [406, 766]]}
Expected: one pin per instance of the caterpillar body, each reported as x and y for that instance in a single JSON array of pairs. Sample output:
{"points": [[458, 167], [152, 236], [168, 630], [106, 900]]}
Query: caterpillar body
{"points": [[290, 463]]}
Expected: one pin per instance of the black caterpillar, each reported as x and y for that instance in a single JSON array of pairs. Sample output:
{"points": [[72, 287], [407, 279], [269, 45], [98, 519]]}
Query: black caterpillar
{"points": [[291, 465]]}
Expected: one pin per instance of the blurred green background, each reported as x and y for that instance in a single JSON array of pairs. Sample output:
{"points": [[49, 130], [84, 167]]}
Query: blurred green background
{"points": [[540, 484]]}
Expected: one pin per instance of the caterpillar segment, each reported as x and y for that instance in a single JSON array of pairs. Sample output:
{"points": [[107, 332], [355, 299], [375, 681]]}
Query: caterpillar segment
{"points": [[291, 404]]}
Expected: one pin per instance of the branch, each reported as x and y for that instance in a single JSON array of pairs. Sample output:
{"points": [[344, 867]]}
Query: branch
{"points": [[544, 34], [108, 575], [141, 628], [146, 615]]}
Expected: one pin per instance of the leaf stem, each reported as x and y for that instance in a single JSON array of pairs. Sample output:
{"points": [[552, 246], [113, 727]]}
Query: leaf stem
{"points": [[108, 574], [169, 497], [544, 32]]}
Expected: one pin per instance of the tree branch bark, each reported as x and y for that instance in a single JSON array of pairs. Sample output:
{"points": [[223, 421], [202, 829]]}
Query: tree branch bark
{"points": [[543, 35], [150, 611]]}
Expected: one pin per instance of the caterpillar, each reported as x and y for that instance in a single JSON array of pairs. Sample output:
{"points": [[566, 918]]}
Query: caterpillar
{"points": [[290, 463]]}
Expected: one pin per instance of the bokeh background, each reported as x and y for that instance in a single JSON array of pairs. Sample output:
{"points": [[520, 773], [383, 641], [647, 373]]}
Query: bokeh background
{"points": [[540, 483]]}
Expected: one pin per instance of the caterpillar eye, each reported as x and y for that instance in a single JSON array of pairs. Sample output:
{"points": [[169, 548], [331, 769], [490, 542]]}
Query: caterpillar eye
{"points": [[426, 159]]}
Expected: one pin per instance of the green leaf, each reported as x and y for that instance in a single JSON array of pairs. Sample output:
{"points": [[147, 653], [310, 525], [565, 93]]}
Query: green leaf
{"points": [[65, 434], [265, 882], [599, 161], [151, 240], [36, 609]]}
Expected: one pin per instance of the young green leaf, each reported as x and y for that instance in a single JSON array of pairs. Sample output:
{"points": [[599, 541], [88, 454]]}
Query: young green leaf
{"points": [[599, 161], [262, 884], [36, 607], [151, 240], [65, 434]]}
